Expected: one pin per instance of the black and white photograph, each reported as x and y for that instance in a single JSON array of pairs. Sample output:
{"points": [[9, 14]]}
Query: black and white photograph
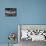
{"points": [[10, 11], [31, 34]]}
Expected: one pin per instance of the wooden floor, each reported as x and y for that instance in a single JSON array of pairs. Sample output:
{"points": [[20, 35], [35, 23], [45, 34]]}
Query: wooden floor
{"points": [[30, 43]]}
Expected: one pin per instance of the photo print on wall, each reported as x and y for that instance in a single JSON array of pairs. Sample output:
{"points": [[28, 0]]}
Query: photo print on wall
{"points": [[10, 11]]}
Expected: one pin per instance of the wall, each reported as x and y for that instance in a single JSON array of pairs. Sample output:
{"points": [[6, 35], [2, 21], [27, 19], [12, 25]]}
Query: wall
{"points": [[28, 12]]}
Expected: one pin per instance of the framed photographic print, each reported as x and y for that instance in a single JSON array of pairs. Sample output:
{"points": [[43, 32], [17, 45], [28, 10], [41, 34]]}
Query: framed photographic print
{"points": [[10, 11], [32, 32]]}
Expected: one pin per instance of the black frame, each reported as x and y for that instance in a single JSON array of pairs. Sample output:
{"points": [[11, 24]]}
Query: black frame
{"points": [[10, 11]]}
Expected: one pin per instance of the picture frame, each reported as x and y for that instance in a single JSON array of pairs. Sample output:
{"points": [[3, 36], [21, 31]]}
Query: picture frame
{"points": [[38, 30], [10, 11]]}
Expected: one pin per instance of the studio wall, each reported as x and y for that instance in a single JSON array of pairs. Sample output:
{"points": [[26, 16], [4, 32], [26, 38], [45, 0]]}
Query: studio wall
{"points": [[28, 12]]}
